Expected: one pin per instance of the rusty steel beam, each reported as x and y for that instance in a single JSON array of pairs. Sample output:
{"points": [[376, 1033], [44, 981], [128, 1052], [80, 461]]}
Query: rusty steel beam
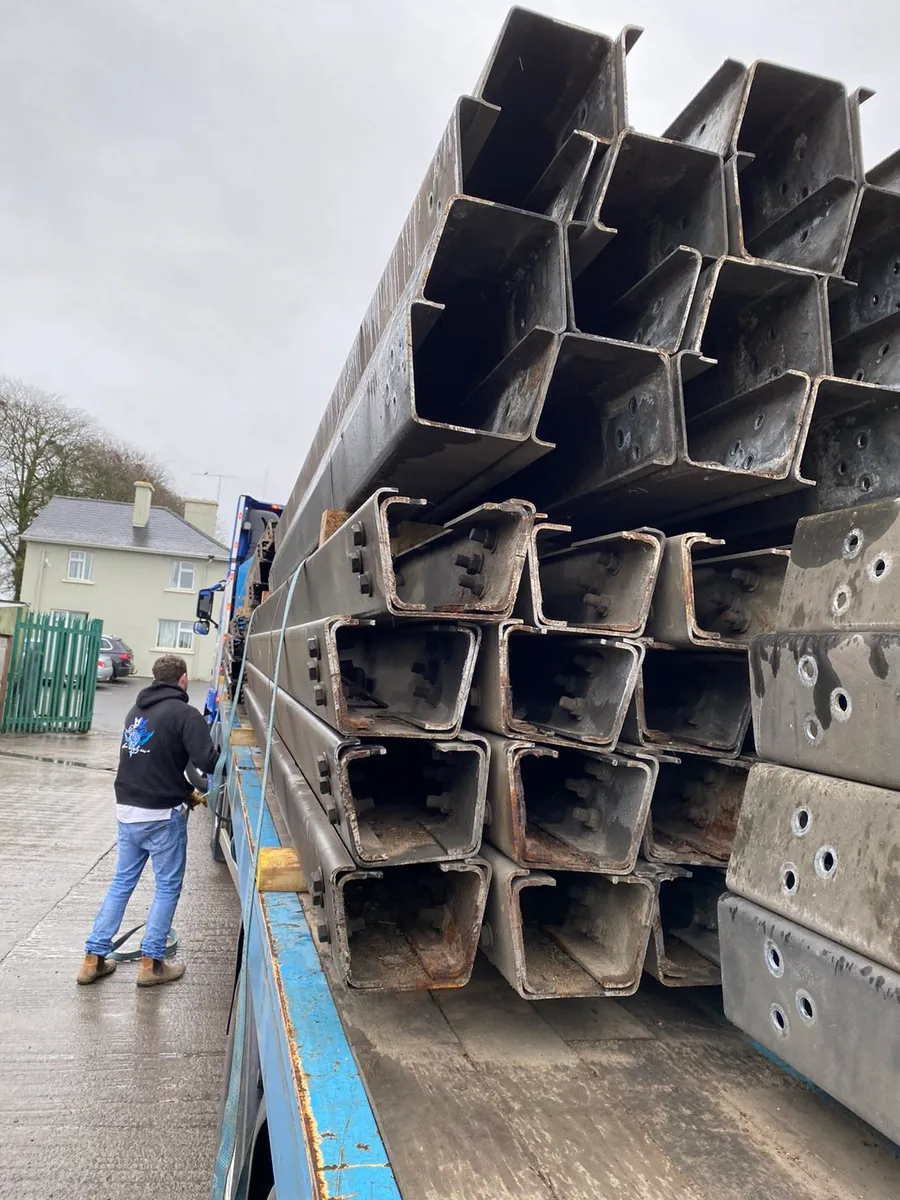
{"points": [[684, 946], [566, 809], [649, 214], [865, 319], [843, 570], [407, 928], [400, 800], [815, 850], [827, 702], [566, 933], [600, 585], [826, 1011], [792, 141], [469, 568], [455, 385], [555, 687], [694, 812], [404, 680], [548, 79], [720, 601], [695, 701]]}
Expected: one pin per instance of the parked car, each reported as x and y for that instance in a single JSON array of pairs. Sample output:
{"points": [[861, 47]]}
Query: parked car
{"points": [[121, 654], [105, 670]]}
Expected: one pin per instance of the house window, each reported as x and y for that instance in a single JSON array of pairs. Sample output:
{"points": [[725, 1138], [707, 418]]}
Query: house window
{"points": [[81, 565], [71, 613], [182, 576], [175, 635]]}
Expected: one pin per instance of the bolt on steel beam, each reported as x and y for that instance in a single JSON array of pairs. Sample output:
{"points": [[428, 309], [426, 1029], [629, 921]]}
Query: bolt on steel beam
{"points": [[647, 218], [402, 800], [696, 701], [814, 850], [850, 449], [553, 686], [548, 79], [469, 568], [405, 680], [720, 602], [684, 946], [600, 585], [694, 811], [567, 809], [454, 388], [827, 702], [407, 928], [865, 319], [792, 141], [827, 1012], [566, 933], [842, 572]]}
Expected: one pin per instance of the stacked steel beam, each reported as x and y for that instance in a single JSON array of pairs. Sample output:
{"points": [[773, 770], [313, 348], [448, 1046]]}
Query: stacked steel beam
{"points": [[635, 334]]}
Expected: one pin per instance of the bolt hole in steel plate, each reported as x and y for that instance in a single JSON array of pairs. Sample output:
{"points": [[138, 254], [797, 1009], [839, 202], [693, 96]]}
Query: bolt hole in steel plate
{"points": [[774, 961], [790, 880], [801, 822], [878, 567], [826, 862], [841, 704], [840, 601], [813, 729], [853, 543], [779, 1020], [805, 1006], [808, 670]]}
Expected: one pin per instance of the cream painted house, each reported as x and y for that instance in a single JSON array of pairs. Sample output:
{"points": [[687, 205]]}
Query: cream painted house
{"points": [[136, 567]]}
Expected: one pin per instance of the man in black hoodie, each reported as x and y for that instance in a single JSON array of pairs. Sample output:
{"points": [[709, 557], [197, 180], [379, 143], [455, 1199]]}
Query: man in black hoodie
{"points": [[163, 732]]}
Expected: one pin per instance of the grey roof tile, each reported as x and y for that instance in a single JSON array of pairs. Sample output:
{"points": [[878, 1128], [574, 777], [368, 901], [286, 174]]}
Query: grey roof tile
{"points": [[107, 523]]}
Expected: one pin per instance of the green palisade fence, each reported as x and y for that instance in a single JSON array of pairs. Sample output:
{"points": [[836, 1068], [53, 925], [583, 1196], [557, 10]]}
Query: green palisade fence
{"points": [[52, 677]]}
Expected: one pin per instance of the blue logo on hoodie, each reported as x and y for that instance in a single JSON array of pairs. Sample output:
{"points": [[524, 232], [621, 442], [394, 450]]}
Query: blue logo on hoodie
{"points": [[137, 735]]}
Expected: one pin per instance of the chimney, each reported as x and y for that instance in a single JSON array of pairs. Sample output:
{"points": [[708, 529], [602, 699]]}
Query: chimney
{"points": [[203, 515], [143, 497]]}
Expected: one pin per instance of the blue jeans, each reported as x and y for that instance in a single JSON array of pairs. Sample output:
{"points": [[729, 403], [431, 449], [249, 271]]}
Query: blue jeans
{"points": [[165, 844]]}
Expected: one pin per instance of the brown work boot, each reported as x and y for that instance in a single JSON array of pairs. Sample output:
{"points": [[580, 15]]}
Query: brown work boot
{"points": [[155, 970], [95, 967]]}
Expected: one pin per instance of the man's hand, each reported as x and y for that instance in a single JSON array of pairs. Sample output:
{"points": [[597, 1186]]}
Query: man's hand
{"points": [[194, 799]]}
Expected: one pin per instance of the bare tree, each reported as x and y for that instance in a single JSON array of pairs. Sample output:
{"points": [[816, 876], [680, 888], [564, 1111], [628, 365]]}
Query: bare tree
{"points": [[48, 449]]}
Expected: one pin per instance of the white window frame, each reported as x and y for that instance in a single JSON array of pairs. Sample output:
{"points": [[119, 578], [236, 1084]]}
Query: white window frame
{"points": [[83, 560], [182, 635], [71, 613], [181, 567]]}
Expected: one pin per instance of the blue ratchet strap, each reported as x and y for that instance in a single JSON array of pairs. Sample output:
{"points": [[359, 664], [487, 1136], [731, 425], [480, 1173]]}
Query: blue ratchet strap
{"points": [[226, 1149]]}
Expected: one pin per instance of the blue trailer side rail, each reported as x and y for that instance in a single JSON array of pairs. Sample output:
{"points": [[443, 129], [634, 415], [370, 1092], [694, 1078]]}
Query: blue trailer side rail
{"points": [[323, 1137]]}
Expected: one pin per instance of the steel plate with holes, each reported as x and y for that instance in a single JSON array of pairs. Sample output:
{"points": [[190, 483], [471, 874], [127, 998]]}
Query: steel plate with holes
{"points": [[843, 571], [565, 933], [828, 702], [827, 1012], [822, 852]]}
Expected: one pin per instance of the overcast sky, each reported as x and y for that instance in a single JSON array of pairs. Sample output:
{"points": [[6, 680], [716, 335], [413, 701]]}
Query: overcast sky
{"points": [[197, 196]]}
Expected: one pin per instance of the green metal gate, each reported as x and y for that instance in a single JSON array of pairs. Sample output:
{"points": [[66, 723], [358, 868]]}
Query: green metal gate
{"points": [[52, 676]]}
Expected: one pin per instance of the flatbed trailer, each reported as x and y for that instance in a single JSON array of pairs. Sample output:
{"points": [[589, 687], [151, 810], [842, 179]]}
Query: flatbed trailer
{"points": [[477, 1093]]}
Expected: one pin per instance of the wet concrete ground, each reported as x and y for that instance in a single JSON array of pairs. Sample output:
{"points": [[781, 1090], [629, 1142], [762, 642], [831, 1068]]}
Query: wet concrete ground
{"points": [[105, 1091]]}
